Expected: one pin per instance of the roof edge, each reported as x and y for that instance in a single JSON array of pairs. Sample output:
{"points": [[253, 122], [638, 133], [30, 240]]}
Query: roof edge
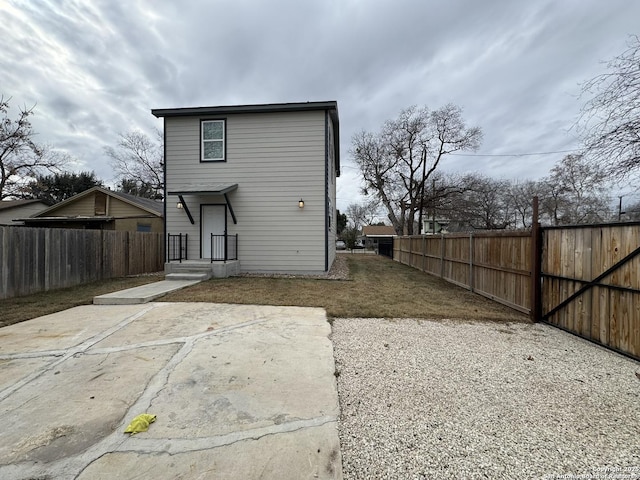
{"points": [[87, 192], [254, 108]]}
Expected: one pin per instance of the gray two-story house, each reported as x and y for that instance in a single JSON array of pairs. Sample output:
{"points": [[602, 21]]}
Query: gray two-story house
{"points": [[252, 185]]}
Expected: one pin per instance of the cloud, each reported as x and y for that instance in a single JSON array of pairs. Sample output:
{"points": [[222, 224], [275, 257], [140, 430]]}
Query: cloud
{"points": [[97, 68]]}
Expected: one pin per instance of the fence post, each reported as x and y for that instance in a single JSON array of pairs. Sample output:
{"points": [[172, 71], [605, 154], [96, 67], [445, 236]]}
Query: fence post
{"points": [[127, 253], [101, 253], [471, 262], [536, 260], [442, 255]]}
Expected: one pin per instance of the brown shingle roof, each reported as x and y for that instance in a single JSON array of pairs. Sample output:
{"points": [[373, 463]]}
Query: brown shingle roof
{"points": [[377, 230]]}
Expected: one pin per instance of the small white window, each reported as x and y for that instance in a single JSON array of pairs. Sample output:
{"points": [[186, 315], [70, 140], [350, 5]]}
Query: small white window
{"points": [[213, 142]]}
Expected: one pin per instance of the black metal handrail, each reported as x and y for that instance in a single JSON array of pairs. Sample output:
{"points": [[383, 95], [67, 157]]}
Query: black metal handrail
{"points": [[177, 247], [224, 247]]}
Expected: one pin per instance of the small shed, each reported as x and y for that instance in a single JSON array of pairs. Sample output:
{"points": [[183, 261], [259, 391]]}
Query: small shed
{"points": [[379, 238]]}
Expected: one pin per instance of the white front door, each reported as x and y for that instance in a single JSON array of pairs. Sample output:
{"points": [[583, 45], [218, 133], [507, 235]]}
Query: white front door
{"points": [[214, 221]]}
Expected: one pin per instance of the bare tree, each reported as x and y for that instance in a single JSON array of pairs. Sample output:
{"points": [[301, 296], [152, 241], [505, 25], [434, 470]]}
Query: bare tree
{"points": [[610, 120], [553, 203], [358, 215], [575, 192], [442, 195], [632, 212], [521, 200], [483, 204], [397, 162], [139, 160], [21, 159], [362, 214]]}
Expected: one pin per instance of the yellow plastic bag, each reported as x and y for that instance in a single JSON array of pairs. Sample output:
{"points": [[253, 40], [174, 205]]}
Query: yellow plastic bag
{"points": [[140, 423]]}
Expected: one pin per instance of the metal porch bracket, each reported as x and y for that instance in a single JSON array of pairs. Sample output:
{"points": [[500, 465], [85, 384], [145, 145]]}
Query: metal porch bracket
{"points": [[233, 215], [186, 209]]}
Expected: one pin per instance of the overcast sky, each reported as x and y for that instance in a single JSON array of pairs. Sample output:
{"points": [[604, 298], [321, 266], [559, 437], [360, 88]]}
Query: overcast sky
{"points": [[97, 67]]}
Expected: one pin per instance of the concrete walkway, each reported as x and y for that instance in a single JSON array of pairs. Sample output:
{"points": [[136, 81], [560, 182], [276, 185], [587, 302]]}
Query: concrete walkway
{"points": [[240, 391], [143, 293]]}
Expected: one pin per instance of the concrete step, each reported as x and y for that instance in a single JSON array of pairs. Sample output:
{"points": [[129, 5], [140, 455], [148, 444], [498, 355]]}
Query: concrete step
{"points": [[188, 275], [215, 269]]}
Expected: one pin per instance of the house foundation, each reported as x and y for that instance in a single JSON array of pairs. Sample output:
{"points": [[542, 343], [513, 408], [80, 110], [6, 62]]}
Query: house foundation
{"points": [[201, 269]]}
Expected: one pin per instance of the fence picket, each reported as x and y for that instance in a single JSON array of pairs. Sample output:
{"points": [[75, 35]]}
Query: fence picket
{"points": [[38, 259], [499, 265], [492, 268]]}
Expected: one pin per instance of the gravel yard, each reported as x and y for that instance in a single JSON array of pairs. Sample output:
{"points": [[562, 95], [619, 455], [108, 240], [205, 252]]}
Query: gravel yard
{"points": [[451, 399]]}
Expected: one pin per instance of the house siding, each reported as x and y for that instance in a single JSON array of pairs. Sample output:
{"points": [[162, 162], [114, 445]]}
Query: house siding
{"points": [[81, 207], [21, 211], [331, 192], [276, 159]]}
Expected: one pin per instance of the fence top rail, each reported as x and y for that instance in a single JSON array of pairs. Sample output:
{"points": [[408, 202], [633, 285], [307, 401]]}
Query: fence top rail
{"points": [[484, 233], [592, 225]]}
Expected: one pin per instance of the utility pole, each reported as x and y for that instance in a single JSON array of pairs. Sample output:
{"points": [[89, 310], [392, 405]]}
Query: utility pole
{"points": [[620, 212], [433, 186]]}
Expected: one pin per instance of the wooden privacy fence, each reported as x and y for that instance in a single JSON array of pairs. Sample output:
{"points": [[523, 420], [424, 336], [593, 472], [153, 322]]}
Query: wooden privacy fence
{"points": [[583, 278], [40, 259], [495, 264], [591, 283]]}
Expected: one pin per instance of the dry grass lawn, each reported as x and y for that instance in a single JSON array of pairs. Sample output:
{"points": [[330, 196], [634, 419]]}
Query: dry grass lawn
{"points": [[377, 287], [19, 309]]}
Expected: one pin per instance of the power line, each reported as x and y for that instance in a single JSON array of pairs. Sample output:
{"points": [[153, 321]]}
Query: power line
{"points": [[496, 155], [509, 154]]}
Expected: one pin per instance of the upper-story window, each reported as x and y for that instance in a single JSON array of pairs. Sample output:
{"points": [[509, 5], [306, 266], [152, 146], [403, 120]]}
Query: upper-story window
{"points": [[212, 138]]}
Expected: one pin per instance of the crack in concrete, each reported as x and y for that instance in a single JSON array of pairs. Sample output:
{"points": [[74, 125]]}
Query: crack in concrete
{"points": [[170, 341], [68, 353], [42, 353], [160, 380], [174, 446], [112, 442], [70, 468]]}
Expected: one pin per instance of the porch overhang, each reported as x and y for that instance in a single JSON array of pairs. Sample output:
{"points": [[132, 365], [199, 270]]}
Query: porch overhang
{"points": [[204, 189], [79, 219]]}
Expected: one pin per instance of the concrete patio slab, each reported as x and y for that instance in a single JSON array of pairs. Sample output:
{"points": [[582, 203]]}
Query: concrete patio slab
{"points": [[239, 391]]}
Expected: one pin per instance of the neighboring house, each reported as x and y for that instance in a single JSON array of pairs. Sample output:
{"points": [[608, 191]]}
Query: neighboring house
{"points": [[379, 238], [102, 209], [252, 184], [11, 210], [431, 226], [458, 226]]}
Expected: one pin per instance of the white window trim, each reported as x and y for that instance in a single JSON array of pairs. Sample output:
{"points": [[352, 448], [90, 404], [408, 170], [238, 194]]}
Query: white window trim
{"points": [[223, 140]]}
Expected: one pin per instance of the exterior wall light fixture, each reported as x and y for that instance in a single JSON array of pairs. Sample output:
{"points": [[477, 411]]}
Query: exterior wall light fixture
{"points": [[301, 203], [179, 205]]}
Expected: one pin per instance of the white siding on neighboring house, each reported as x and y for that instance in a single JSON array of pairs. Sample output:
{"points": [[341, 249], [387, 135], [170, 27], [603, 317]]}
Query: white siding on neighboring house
{"points": [[276, 159]]}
